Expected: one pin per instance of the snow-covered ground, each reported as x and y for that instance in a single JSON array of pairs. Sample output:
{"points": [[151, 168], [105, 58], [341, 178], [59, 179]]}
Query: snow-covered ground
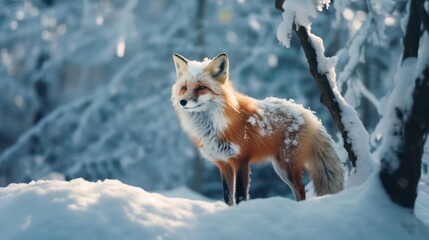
{"points": [[126, 129], [112, 210]]}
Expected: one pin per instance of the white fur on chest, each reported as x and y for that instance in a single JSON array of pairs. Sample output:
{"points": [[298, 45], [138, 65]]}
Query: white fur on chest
{"points": [[207, 127]]}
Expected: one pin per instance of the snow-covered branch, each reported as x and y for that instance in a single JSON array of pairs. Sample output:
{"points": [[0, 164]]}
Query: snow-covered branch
{"points": [[355, 137]]}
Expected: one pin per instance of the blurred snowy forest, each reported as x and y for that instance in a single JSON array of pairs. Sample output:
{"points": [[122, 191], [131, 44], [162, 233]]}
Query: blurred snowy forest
{"points": [[85, 84]]}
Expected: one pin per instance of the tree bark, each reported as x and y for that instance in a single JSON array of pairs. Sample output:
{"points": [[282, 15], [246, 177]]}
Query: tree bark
{"points": [[401, 183]]}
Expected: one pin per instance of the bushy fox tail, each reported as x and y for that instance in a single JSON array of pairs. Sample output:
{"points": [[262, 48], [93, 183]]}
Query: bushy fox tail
{"points": [[325, 167]]}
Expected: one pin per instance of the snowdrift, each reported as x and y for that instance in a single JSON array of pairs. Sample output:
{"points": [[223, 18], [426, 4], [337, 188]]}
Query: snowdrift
{"points": [[112, 210]]}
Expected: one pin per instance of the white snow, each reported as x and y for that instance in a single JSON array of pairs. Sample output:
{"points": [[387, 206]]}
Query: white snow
{"points": [[324, 64], [113, 210], [252, 120], [352, 52], [357, 134], [196, 68], [400, 99], [297, 12], [423, 60], [274, 111]]}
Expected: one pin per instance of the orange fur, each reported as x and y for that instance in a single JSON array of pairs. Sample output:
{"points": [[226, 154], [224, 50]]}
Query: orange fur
{"points": [[234, 130]]}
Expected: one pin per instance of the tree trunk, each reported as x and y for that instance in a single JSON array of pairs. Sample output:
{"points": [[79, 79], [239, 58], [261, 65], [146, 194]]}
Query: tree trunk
{"points": [[401, 183]]}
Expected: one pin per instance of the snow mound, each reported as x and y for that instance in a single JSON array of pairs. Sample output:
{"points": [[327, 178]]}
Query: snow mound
{"points": [[113, 210], [95, 210]]}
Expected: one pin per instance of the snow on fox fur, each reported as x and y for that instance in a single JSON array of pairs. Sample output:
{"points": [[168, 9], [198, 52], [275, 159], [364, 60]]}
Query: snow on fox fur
{"points": [[233, 130]]}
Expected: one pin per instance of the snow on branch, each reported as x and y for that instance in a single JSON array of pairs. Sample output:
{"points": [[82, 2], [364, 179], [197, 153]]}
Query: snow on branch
{"points": [[297, 13], [372, 30], [322, 68]]}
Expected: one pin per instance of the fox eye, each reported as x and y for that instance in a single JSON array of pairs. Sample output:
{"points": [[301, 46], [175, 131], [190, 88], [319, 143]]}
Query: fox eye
{"points": [[201, 88], [184, 88]]}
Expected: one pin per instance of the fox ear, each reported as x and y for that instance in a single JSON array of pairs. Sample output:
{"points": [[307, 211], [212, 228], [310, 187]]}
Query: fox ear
{"points": [[219, 67], [181, 64]]}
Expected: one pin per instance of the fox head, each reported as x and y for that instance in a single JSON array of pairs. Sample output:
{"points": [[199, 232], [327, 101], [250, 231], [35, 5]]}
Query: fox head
{"points": [[200, 86]]}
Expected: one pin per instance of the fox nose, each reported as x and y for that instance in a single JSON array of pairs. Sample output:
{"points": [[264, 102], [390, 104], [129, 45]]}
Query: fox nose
{"points": [[183, 102]]}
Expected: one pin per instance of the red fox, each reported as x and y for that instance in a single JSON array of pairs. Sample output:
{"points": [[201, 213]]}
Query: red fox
{"points": [[233, 130]]}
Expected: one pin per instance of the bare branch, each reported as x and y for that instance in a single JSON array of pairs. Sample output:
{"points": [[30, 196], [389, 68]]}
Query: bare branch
{"points": [[368, 95]]}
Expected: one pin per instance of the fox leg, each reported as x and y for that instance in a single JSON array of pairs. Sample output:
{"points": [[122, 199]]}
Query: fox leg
{"points": [[242, 182], [292, 176], [227, 175]]}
